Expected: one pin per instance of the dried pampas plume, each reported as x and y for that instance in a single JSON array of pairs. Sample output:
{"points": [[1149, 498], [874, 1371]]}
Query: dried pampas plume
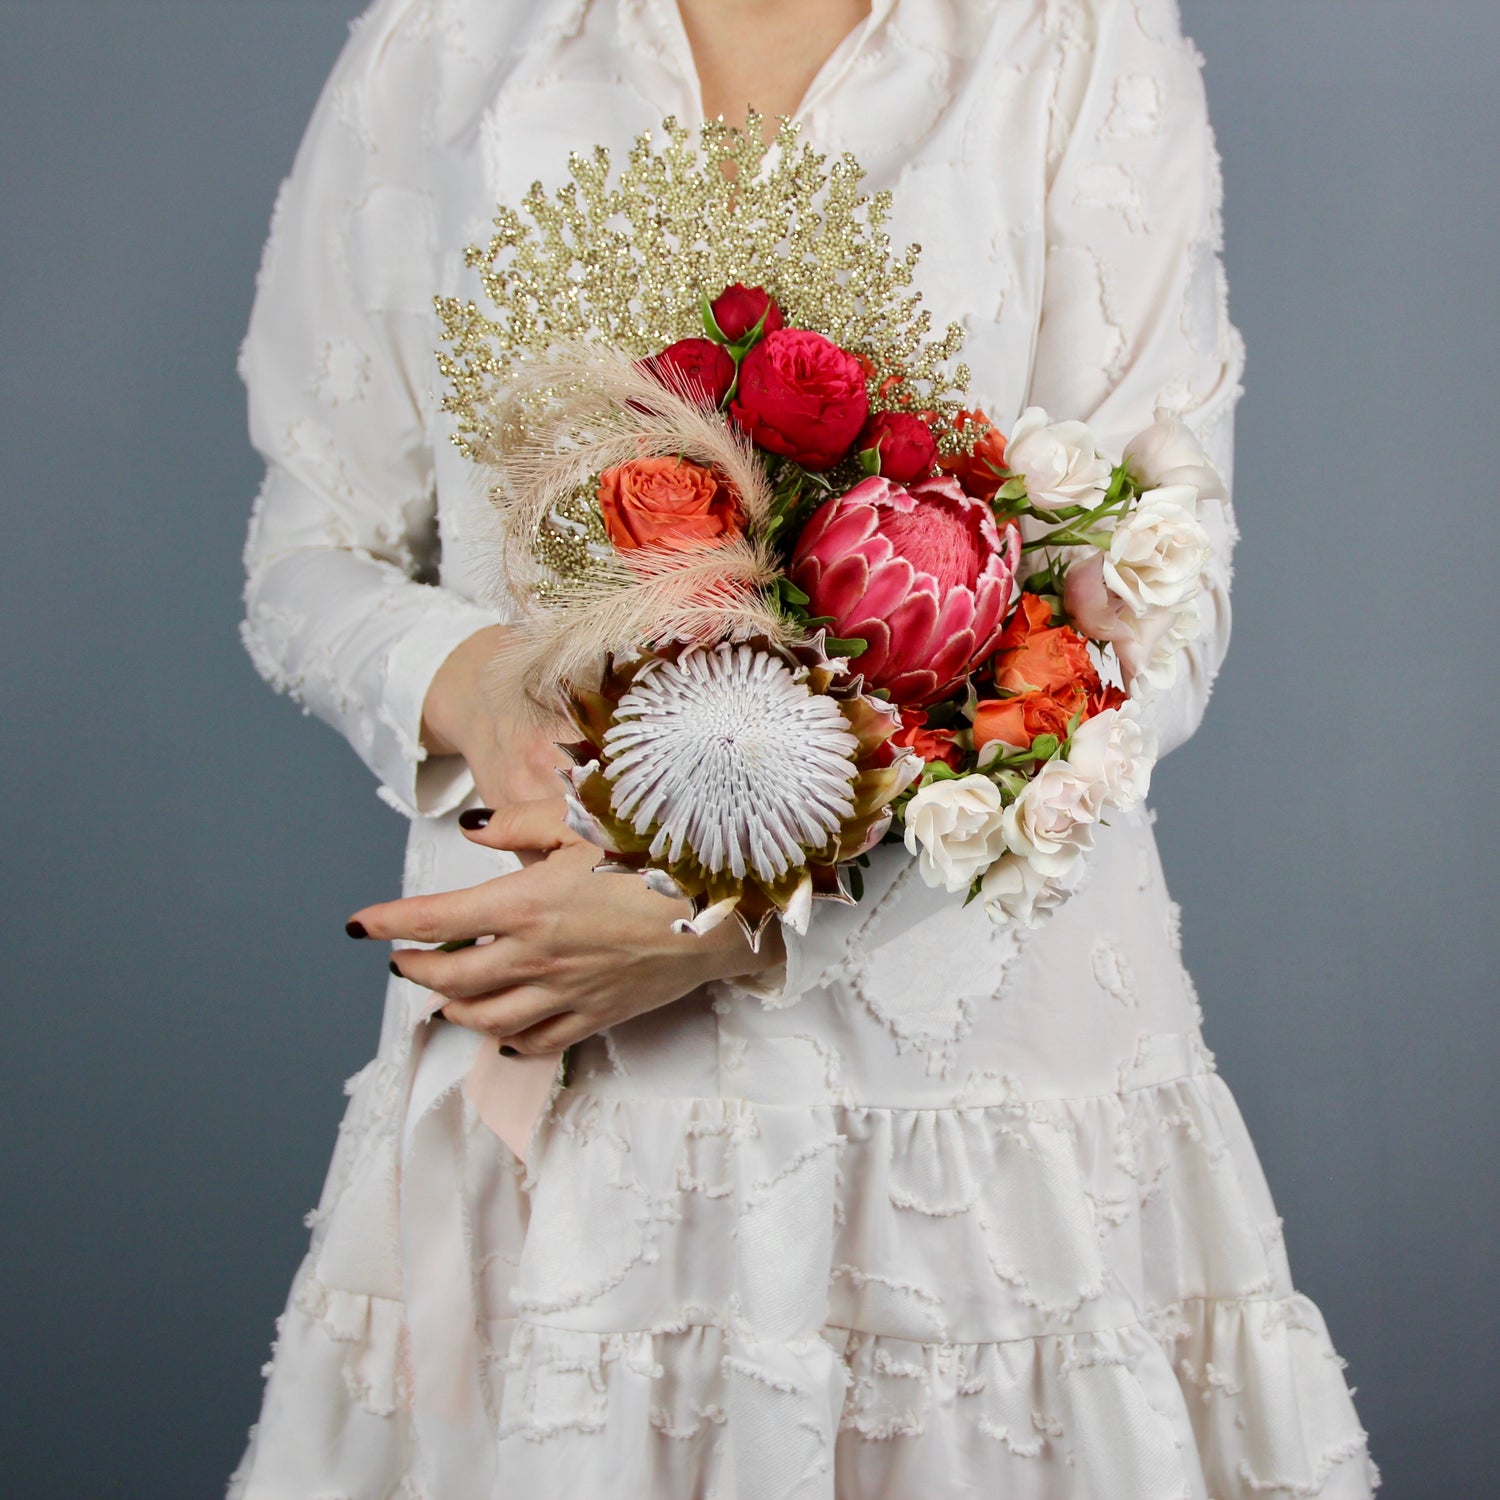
{"points": [[565, 418]]}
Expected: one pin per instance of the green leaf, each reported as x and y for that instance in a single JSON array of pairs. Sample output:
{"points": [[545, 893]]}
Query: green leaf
{"points": [[869, 459], [836, 645], [938, 770], [1044, 746], [710, 323], [741, 348], [791, 594], [1012, 489]]}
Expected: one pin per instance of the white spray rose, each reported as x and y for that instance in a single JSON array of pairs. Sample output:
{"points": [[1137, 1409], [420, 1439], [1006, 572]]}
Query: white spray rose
{"points": [[1116, 752], [1150, 653], [1014, 890], [1158, 551], [1059, 461], [1051, 823], [1168, 453], [956, 826]]}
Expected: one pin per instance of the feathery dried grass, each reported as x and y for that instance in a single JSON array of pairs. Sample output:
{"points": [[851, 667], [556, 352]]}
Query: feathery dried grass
{"points": [[567, 417]]}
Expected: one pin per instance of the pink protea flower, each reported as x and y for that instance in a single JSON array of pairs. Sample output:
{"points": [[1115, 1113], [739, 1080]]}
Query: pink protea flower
{"points": [[921, 572]]}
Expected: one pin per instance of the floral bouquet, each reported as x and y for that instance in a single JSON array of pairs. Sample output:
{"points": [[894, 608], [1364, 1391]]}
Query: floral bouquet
{"points": [[792, 593]]}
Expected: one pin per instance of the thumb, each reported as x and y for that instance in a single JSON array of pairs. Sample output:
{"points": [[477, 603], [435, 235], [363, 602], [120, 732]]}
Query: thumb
{"points": [[539, 826]]}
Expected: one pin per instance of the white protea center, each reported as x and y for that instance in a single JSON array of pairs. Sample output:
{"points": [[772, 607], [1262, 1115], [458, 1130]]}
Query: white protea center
{"points": [[728, 755]]}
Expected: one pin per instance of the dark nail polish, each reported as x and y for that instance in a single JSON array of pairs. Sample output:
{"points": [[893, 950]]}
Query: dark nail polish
{"points": [[355, 929], [508, 1051], [475, 818], [397, 972]]}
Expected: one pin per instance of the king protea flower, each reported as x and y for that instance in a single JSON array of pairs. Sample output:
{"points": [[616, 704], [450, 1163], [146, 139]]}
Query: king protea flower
{"points": [[921, 573], [739, 776]]}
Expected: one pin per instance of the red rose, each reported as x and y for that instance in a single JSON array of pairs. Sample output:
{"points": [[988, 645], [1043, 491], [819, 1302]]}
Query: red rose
{"points": [[802, 397], [905, 443], [1105, 696], [694, 367], [975, 470], [737, 309]]}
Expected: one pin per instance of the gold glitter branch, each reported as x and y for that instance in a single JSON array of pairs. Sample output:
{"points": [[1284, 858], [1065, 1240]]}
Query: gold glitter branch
{"points": [[628, 265]]}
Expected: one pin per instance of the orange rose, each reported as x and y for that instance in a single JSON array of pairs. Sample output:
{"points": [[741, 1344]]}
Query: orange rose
{"points": [[930, 744], [1035, 655], [1018, 721], [973, 469], [667, 502]]}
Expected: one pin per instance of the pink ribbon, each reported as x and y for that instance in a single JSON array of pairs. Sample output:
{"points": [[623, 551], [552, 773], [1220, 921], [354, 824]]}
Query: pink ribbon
{"points": [[510, 1093]]}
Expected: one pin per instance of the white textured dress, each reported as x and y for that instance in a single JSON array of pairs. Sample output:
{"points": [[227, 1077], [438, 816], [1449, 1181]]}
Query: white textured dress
{"points": [[948, 1211]]}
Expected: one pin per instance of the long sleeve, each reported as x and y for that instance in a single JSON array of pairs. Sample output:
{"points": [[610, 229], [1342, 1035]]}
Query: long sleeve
{"points": [[1134, 308], [341, 610], [1134, 316]]}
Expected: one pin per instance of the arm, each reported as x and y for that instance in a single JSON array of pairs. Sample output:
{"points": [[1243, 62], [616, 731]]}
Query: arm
{"points": [[1134, 305], [339, 610]]}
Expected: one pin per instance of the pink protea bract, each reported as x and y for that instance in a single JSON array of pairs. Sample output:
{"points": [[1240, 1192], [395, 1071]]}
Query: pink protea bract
{"points": [[922, 573]]}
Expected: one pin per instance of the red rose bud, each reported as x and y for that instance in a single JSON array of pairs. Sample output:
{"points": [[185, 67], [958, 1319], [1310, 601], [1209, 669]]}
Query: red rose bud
{"points": [[737, 309], [694, 367], [905, 443], [975, 470], [930, 744], [802, 397]]}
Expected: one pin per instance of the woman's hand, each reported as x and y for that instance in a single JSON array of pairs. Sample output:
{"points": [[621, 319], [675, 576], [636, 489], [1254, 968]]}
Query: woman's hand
{"points": [[574, 951], [513, 757]]}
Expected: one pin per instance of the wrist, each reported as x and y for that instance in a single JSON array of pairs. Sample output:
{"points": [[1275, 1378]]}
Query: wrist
{"points": [[738, 960], [454, 713]]}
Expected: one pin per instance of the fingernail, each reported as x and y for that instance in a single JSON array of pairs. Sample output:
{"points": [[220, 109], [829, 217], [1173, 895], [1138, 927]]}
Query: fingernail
{"points": [[475, 818], [397, 972], [506, 1051], [355, 929]]}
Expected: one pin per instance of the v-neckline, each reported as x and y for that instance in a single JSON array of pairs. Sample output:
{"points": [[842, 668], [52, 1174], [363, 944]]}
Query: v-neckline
{"points": [[668, 15]]}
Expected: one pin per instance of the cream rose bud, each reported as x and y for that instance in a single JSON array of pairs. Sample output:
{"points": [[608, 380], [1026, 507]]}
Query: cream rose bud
{"points": [[1157, 551], [1116, 752], [955, 826], [1051, 823], [1059, 461], [1093, 610], [1014, 891], [1169, 453]]}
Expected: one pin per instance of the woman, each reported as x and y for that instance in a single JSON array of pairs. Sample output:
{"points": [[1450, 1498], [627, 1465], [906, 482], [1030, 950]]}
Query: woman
{"points": [[915, 1206]]}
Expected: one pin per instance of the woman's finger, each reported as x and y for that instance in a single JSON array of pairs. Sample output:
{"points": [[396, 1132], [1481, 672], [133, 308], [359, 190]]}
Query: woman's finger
{"points": [[508, 1011], [474, 911], [553, 1034], [538, 826], [471, 971]]}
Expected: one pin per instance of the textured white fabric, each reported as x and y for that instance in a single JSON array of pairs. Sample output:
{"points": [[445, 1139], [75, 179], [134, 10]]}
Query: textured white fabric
{"points": [[941, 1211]]}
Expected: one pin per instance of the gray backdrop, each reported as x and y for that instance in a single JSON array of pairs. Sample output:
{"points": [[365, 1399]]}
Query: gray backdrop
{"points": [[182, 847]]}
